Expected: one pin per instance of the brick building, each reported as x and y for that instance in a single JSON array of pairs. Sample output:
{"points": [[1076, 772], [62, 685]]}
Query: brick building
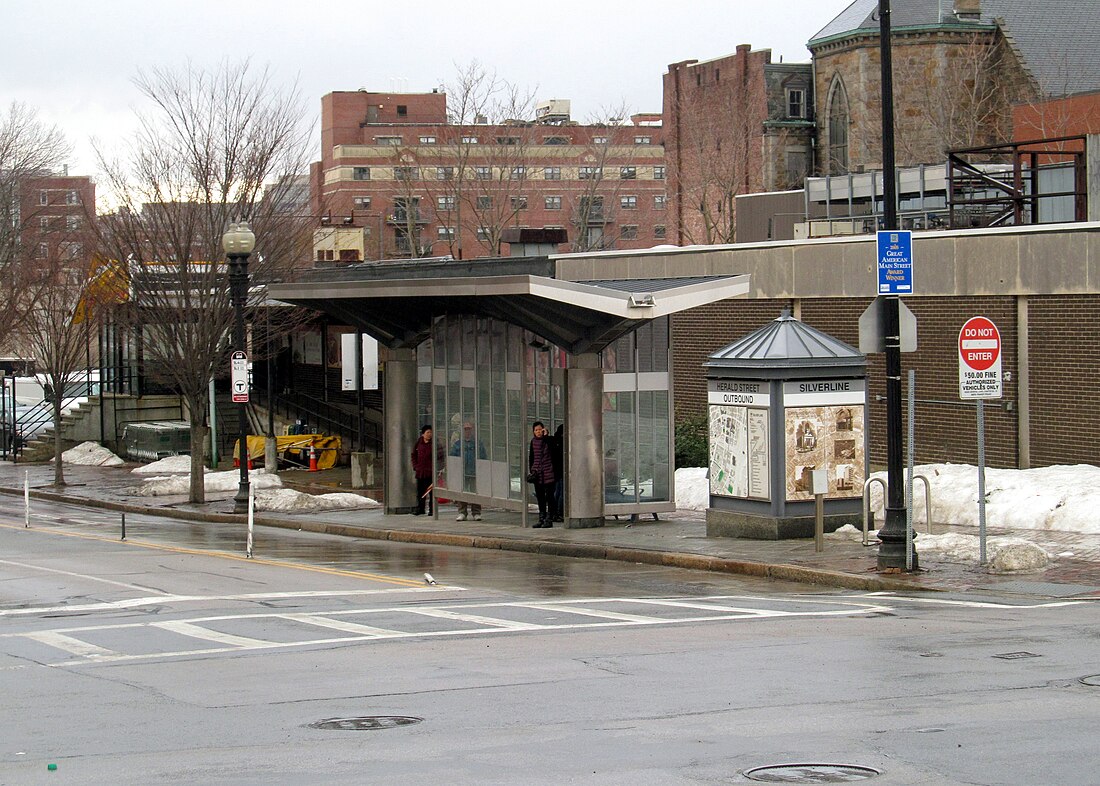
{"points": [[958, 70], [397, 178], [54, 217], [733, 125]]}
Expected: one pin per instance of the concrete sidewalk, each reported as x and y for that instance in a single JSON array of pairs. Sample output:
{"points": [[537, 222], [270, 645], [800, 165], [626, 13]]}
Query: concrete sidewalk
{"points": [[678, 539]]}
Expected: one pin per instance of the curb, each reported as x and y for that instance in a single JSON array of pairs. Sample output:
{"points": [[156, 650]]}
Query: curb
{"points": [[673, 559]]}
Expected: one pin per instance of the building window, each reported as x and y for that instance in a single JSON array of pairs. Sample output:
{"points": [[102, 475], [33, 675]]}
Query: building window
{"points": [[518, 173], [360, 173], [445, 233], [43, 251], [482, 233], [469, 140], [658, 173], [643, 140], [72, 223], [659, 232], [43, 198], [553, 203], [659, 201], [590, 173], [599, 140], [44, 223], [484, 202], [551, 173], [838, 129], [508, 140], [361, 202], [556, 140], [796, 102], [402, 110], [483, 172], [628, 173], [72, 198], [630, 232], [628, 202], [444, 173], [349, 255], [519, 203], [406, 173], [427, 140], [445, 203], [388, 140]]}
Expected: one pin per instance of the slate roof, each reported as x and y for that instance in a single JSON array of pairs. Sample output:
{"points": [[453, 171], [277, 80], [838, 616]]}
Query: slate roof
{"points": [[1058, 41]]}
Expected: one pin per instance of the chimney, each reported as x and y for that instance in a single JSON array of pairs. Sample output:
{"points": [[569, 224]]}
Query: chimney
{"points": [[968, 10]]}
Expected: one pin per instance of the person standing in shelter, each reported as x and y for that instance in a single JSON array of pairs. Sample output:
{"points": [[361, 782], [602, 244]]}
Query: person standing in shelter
{"points": [[422, 469], [557, 456], [471, 449], [540, 471]]}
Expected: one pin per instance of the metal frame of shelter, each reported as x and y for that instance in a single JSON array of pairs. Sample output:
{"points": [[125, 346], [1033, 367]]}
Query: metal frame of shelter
{"points": [[519, 302]]}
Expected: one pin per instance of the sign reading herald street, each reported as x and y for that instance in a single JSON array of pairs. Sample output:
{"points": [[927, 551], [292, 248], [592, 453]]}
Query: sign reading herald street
{"points": [[238, 377], [895, 262], [979, 359]]}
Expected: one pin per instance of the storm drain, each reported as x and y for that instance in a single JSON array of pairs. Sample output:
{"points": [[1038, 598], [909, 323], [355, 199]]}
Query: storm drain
{"points": [[811, 773], [368, 723]]}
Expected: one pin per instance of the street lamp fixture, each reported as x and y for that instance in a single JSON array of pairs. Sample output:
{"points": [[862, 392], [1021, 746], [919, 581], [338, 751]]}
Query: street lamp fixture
{"points": [[238, 242]]}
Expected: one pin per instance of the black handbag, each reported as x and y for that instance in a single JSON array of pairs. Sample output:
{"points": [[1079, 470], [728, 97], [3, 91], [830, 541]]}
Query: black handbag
{"points": [[532, 477]]}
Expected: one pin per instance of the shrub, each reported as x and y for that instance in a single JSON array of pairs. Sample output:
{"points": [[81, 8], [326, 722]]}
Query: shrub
{"points": [[691, 441]]}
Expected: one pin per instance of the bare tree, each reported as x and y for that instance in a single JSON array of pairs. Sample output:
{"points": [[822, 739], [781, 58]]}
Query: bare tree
{"points": [[28, 148], [202, 158], [477, 177], [601, 176], [56, 330], [722, 134]]}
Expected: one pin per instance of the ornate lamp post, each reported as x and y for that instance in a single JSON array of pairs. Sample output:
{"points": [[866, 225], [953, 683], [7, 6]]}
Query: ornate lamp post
{"points": [[238, 242]]}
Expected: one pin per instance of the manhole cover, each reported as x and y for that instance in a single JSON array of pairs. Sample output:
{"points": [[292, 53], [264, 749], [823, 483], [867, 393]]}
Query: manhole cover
{"points": [[369, 723], [1093, 680], [811, 773]]}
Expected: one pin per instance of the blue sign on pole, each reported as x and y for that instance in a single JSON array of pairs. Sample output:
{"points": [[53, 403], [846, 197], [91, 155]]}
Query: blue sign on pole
{"points": [[895, 262]]}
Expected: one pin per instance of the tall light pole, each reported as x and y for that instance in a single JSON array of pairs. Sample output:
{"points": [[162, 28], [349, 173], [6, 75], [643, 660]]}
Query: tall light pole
{"points": [[892, 535], [238, 242]]}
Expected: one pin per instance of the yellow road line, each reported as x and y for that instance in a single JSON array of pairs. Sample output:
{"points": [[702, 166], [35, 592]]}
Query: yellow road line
{"points": [[225, 555]]}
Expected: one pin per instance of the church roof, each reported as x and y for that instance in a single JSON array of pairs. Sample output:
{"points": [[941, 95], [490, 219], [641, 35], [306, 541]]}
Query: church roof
{"points": [[1059, 42]]}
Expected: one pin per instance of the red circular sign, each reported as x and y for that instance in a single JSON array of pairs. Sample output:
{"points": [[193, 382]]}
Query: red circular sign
{"points": [[979, 344]]}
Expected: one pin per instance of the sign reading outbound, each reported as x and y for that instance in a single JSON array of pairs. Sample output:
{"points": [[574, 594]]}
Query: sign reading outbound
{"points": [[979, 359], [895, 262]]}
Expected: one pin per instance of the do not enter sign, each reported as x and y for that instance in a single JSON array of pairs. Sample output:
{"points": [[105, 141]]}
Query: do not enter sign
{"points": [[979, 359]]}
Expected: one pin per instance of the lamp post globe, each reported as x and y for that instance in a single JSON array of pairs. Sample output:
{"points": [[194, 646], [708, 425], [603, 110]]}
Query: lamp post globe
{"points": [[238, 242]]}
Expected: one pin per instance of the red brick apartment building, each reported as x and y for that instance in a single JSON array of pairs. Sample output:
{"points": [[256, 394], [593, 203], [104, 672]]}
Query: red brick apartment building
{"points": [[54, 214], [396, 178]]}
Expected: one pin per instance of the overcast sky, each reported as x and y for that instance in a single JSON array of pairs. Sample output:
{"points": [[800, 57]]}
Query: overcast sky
{"points": [[74, 60]]}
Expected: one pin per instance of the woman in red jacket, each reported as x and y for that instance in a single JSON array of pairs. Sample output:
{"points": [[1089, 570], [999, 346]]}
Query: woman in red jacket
{"points": [[422, 468]]}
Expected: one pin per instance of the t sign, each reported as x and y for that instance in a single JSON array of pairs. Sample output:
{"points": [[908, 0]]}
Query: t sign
{"points": [[979, 359]]}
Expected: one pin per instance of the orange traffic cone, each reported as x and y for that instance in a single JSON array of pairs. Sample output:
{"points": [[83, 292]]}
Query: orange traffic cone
{"points": [[312, 458]]}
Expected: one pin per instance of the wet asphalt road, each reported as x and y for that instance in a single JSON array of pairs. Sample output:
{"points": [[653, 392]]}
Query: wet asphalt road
{"points": [[171, 657]]}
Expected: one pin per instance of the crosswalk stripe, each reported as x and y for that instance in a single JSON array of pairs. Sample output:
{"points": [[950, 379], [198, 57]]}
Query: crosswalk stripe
{"points": [[601, 613], [197, 632], [68, 644], [342, 625], [492, 622]]}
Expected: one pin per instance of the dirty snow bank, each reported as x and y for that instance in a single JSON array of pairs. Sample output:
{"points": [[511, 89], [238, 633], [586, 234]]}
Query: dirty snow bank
{"points": [[91, 454]]}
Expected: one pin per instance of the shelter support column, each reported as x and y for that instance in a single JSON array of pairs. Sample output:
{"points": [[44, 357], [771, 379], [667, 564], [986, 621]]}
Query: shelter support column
{"points": [[399, 415], [584, 442]]}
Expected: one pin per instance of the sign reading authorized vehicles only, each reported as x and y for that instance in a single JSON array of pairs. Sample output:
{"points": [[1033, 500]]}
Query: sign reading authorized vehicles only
{"points": [[979, 359]]}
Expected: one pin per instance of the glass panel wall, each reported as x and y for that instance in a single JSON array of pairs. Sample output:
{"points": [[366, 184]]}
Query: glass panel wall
{"points": [[497, 379]]}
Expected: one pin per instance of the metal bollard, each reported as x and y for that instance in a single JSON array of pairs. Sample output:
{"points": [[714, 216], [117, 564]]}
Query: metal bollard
{"points": [[122, 516]]}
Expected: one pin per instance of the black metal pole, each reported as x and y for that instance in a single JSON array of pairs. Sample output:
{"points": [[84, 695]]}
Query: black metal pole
{"points": [[238, 292], [892, 551]]}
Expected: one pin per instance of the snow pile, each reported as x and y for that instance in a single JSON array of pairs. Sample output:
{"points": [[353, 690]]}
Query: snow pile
{"points": [[290, 501], [91, 454], [1020, 557], [180, 485], [848, 532], [692, 488], [1063, 498], [170, 465], [1004, 555]]}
